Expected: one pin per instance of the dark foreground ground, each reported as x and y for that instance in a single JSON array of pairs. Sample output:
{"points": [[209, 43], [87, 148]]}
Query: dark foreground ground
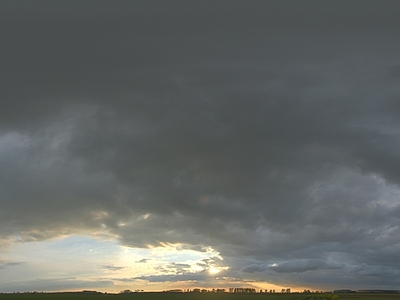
{"points": [[195, 296]]}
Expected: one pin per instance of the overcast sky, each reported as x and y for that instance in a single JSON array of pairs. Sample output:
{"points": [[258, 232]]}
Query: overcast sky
{"points": [[166, 144]]}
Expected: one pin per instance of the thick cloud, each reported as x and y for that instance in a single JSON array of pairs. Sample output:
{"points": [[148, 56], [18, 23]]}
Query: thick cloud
{"points": [[266, 130], [254, 268], [299, 266]]}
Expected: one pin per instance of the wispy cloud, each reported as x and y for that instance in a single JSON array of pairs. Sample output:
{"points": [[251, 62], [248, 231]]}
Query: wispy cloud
{"points": [[111, 267], [7, 264]]}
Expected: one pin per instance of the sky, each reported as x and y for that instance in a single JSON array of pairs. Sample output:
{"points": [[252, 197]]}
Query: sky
{"points": [[155, 145]]}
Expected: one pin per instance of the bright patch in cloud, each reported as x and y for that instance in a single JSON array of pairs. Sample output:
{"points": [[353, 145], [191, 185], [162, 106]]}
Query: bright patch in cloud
{"points": [[106, 261], [213, 270]]}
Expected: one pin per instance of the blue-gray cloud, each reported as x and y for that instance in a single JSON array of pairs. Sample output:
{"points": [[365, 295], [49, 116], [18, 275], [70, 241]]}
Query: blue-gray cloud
{"points": [[197, 277], [111, 267], [4, 264], [304, 265], [54, 284]]}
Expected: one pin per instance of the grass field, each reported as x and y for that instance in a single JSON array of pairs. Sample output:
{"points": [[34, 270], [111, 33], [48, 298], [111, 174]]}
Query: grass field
{"points": [[360, 296], [195, 296]]}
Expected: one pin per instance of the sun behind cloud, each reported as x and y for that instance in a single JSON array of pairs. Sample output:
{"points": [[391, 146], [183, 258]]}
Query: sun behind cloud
{"points": [[213, 270]]}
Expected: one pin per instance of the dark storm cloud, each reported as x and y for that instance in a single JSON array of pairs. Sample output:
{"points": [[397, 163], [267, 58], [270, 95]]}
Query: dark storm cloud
{"points": [[266, 130], [299, 266], [254, 268]]}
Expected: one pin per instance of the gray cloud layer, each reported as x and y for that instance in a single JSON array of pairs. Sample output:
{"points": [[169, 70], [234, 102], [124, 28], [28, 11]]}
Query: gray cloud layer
{"points": [[268, 130]]}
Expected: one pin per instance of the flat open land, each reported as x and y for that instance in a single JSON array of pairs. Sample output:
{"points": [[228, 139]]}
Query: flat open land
{"points": [[361, 296], [195, 296]]}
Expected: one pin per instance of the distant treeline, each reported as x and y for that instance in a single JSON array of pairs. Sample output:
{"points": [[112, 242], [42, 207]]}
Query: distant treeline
{"points": [[92, 295]]}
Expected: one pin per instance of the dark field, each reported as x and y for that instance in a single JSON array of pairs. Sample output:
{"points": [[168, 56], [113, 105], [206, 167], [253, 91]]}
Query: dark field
{"points": [[361, 296], [195, 296]]}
